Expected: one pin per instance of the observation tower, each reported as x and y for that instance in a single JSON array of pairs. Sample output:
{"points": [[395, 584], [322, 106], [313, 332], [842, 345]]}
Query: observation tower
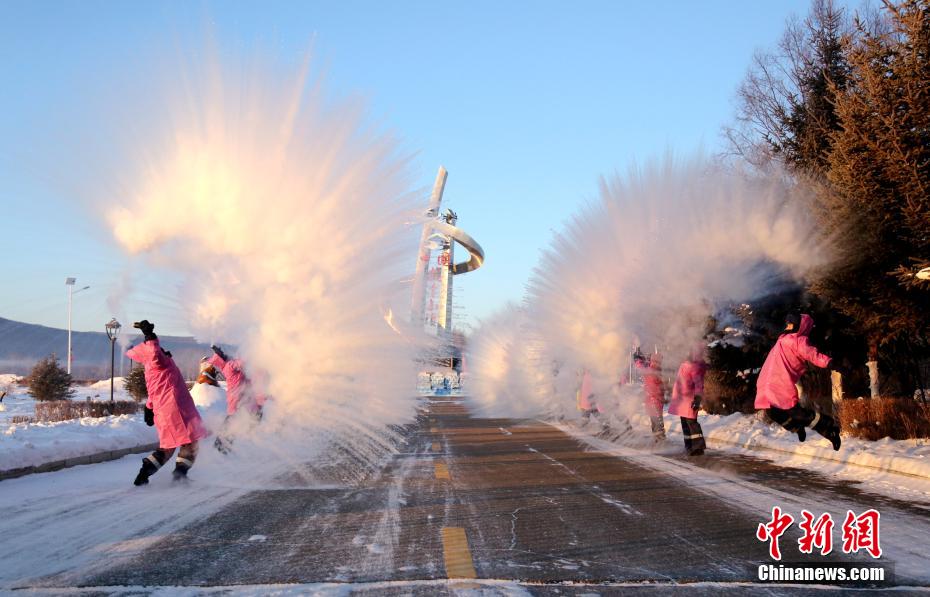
{"points": [[436, 266]]}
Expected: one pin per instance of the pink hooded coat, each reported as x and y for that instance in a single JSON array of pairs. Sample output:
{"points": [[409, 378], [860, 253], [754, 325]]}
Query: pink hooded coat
{"points": [[653, 387], [688, 383], [785, 365], [238, 391], [176, 417], [583, 397]]}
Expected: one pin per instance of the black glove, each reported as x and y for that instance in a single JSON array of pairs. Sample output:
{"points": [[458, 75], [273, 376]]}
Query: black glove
{"points": [[149, 416], [146, 328], [219, 352], [696, 403], [638, 356]]}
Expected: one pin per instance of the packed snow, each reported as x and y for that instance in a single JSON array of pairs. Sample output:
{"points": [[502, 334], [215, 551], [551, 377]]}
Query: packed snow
{"points": [[33, 443]]}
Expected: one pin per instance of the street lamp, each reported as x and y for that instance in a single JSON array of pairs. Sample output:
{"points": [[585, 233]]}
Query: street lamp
{"points": [[112, 332], [69, 282]]}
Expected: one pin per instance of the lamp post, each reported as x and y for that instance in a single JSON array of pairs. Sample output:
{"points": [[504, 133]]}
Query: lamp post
{"points": [[69, 282], [112, 332]]}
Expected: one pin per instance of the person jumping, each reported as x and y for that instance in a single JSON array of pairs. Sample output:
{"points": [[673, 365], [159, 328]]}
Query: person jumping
{"points": [[776, 392]]}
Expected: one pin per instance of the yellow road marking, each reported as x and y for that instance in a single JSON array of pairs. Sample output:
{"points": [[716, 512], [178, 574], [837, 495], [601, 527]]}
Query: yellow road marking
{"points": [[456, 553], [442, 471], [436, 447]]}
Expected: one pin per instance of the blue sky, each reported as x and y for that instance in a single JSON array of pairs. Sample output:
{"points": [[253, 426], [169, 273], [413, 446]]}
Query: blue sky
{"points": [[525, 103]]}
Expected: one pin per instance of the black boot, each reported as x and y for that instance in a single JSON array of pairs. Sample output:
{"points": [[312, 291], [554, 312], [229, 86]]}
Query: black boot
{"points": [[222, 445], [148, 469], [830, 429], [834, 436], [179, 473], [802, 434]]}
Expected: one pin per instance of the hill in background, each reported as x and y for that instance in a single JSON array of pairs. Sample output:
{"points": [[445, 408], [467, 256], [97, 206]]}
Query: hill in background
{"points": [[23, 344]]}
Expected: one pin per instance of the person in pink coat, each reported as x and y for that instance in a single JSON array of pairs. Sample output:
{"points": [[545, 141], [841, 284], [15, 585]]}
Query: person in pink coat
{"points": [[653, 393], [238, 387], [584, 397], [239, 394], [687, 394], [776, 389], [170, 408]]}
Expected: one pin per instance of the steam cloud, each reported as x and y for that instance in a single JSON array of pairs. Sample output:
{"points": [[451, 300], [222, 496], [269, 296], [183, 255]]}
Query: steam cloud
{"points": [[646, 264], [286, 220]]}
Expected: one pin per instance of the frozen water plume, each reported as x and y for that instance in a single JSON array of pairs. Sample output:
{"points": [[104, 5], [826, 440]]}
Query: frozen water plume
{"points": [[286, 218], [644, 265]]}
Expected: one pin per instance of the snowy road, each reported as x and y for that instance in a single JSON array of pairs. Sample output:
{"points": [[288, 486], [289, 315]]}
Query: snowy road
{"points": [[521, 504]]}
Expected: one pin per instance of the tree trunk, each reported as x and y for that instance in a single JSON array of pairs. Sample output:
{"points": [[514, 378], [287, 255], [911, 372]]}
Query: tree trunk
{"points": [[836, 383], [872, 364]]}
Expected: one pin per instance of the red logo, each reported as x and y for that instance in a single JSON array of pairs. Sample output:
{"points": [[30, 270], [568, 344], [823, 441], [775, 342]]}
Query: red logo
{"points": [[443, 259], [859, 532], [817, 533], [774, 529]]}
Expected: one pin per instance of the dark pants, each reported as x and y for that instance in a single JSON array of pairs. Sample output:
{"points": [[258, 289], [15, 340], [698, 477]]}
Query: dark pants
{"points": [[185, 460], [658, 427], [694, 435], [587, 414], [797, 417], [224, 439]]}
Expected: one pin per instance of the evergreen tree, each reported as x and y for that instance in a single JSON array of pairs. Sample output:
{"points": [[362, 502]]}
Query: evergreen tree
{"points": [[135, 384], [879, 170], [847, 110], [49, 381], [786, 101]]}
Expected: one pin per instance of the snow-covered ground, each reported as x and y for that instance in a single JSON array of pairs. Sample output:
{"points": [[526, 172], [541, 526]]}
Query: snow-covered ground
{"points": [[87, 516], [18, 402], [909, 457], [903, 535], [896, 468], [751, 433], [32, 444]]}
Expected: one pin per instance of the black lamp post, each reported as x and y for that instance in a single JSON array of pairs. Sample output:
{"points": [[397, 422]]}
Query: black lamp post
{"points": [[112, 328]]}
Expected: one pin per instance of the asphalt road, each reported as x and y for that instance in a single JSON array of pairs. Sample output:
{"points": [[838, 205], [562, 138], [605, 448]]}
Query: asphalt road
{"points": [[517, 501]]}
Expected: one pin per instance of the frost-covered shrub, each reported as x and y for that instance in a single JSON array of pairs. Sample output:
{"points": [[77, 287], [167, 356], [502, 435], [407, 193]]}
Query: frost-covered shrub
{"points": [[64, 410], [48, 381]]}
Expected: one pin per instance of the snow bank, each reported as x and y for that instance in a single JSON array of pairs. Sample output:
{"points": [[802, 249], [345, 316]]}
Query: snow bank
{"points": [[741, 432], [8, 379], [32, 444], [100, 391], [205, 395], [17, 403], [907, 457]]}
